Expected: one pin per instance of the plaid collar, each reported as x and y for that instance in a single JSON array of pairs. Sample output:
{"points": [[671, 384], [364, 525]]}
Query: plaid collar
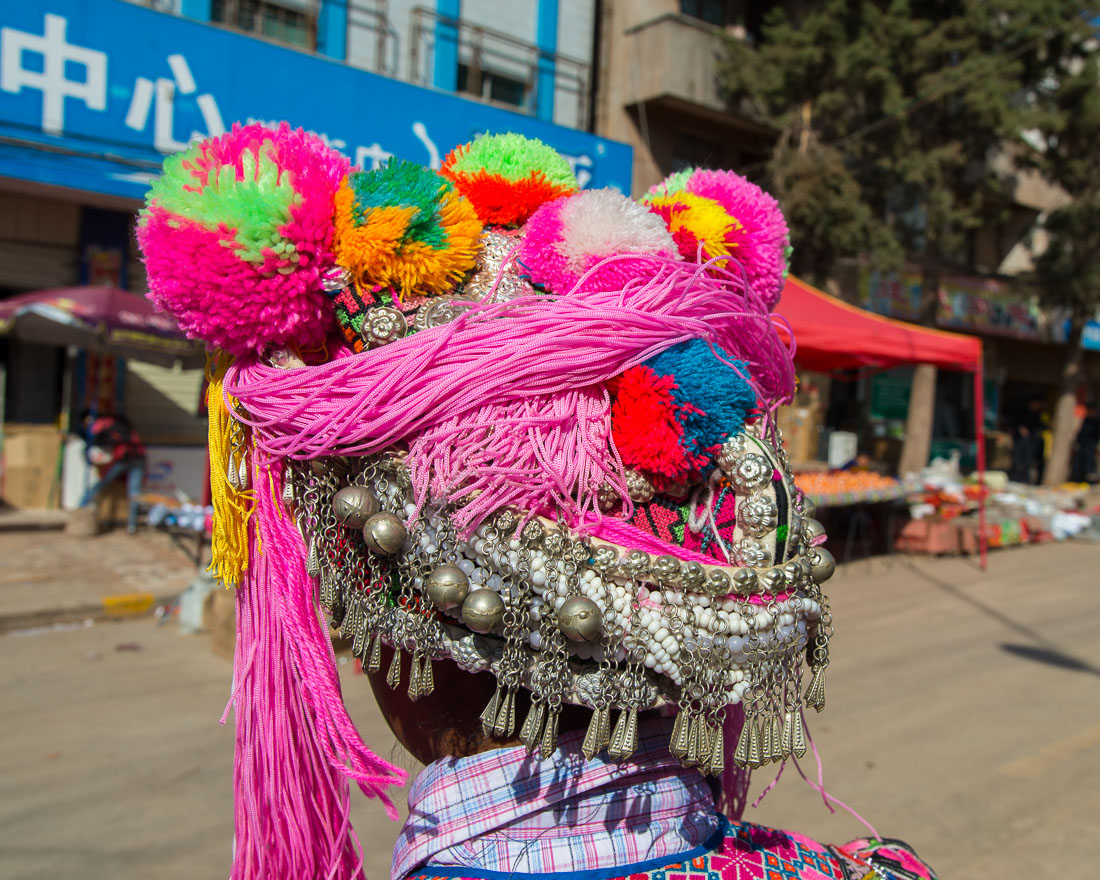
{"points": [[506, 811]]}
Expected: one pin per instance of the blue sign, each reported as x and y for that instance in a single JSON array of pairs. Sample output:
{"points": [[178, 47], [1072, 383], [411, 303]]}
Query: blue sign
{"points": [[94, 93], [1090, 339]]}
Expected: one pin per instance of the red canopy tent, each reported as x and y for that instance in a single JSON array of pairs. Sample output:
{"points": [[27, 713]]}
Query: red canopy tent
{"points": [[830, 334]]}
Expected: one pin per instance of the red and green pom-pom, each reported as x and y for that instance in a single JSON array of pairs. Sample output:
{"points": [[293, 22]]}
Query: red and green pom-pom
{"points": [[508, 176]]}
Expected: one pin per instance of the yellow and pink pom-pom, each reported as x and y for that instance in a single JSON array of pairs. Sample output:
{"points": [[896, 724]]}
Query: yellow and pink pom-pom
{"points": [[236, 234], [758, 237]]}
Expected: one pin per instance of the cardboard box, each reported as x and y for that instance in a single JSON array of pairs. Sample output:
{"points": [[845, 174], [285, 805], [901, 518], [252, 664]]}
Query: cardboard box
{"points": [[800, 426], [31, 466], [220, 619]]}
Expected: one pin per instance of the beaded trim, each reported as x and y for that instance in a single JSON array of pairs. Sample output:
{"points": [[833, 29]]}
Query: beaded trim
{"points": [[578, 620]]}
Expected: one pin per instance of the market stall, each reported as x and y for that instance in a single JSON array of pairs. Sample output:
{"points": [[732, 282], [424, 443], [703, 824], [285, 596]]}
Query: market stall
{"points": [[831, 335], [106, 323]]}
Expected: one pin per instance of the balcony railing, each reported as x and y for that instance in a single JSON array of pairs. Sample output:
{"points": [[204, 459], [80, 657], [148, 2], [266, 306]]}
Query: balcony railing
{"points": [[499, 68]]}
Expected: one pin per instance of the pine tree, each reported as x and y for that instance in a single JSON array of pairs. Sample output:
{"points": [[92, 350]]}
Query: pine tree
{"points": [[904, 104], [1067, 271]]}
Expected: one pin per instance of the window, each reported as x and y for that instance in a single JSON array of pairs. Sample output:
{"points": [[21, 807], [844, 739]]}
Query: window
{"points": [[691, 151], [489, 86], [716, 12], [288, 22]]}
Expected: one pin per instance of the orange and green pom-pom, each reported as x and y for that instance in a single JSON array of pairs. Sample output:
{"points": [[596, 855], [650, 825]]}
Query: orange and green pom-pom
{"points": [[404, 226], [508, 176]]}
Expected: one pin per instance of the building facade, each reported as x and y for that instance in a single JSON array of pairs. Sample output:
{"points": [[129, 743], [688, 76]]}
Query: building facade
{"points": [[94, 93]]}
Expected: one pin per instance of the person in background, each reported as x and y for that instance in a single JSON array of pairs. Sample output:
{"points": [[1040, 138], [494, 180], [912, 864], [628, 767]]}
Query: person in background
{"points": [[115, 448], [1027, 446], [1084, 446]]}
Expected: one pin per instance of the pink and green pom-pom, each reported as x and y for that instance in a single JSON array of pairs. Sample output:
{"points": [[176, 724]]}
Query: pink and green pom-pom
{"points": [[236, 233]]}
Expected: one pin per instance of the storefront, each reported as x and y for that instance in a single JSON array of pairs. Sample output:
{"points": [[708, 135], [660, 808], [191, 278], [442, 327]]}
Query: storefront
{"points": [[94, 93]]}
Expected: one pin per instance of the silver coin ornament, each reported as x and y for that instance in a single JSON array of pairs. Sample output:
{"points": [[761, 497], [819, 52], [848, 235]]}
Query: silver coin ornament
{"points": [[384, 533], [383, 325], [448, 587], [746, 581], [580, 619], [824, 565], [354, 505], [483, 610]]}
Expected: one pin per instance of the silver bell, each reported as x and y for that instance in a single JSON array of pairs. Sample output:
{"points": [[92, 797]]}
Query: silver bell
{"points": [[354, 505], [483, 610], [580, 619], [808, 507], [448, 587], [812, 529], [384, 533], [824, 565]]}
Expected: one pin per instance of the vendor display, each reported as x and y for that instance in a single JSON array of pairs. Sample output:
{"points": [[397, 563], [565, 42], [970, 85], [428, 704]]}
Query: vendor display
{"points": [[841, 488]]}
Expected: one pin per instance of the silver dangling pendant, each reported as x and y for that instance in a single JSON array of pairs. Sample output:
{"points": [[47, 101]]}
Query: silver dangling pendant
{"points": [[288, 492], [414, 677], [427, 677], [777, 739], [765, 741], [786, 740], [327, 592], [549, 735], [624, 741], [741, 753], [593, 737], [678, 744], [798, 738], [717, 761], [338, 612], [232, 474], [693, 758], [374, 663], [359, 642], [756, 759], [506, 718], [313, 560], [489, 713], [532, 726], [243, 476], [815, 693], [393, 677]]}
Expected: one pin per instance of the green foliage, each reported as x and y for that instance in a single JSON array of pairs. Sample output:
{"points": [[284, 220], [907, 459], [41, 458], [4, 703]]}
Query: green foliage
{"points": [[1064, 149], [901, 104]]}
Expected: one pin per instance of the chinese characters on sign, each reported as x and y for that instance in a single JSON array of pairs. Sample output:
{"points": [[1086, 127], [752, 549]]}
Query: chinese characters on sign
{"points": [[112, 87]]}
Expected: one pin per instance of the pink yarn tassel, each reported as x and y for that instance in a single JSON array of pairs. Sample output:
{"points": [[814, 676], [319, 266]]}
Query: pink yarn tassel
{"points": [[296, 747]]}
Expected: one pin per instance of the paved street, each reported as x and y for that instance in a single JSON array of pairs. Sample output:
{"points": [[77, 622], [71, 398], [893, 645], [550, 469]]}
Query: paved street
{"points": [[964, 715]]}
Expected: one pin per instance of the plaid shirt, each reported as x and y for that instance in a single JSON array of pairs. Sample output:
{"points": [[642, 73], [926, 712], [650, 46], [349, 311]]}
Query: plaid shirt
{"points": [[507, 811]]}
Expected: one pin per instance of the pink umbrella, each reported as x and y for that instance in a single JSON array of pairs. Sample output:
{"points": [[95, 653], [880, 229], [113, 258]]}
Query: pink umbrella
{"points": [[100, 319]]}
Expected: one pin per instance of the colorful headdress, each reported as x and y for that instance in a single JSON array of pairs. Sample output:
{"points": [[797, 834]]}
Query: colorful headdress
{"points": [[561, 467]]}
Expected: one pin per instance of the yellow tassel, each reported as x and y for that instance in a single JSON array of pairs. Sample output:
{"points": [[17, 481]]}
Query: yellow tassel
{"points": [[232, 507]]}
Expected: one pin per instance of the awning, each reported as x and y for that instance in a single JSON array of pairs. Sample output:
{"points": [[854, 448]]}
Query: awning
{"points": [[100, 319], [832, 335]]}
